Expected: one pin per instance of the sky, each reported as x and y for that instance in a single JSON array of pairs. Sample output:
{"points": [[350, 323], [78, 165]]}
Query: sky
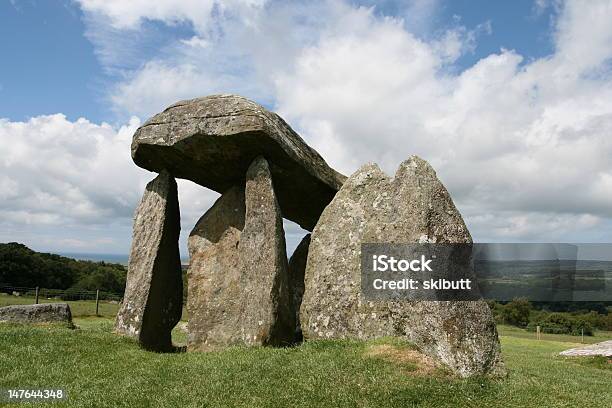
{"points": [[511, 102]]}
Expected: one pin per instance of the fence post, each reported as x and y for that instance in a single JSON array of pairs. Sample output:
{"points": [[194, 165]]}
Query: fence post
{"points": [[97, 301], [582, 338], [37, 295], [538, 332]]}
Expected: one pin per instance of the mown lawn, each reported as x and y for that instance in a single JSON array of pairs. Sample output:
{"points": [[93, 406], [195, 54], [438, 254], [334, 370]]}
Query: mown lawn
{"points": [[99, 369]]}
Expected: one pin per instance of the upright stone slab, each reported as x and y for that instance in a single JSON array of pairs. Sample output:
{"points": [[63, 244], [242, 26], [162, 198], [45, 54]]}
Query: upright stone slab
{"points": [[213, 303], [153, 299], [412, 207], [238, 278], [267, 309], [297, 268]]}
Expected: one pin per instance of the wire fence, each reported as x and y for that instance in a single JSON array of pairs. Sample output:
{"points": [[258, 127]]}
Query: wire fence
{"points": [[61, 294]]}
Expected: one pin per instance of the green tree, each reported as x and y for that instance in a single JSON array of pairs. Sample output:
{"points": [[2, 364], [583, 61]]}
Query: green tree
{"points": [[23, 267], [517, 312]]}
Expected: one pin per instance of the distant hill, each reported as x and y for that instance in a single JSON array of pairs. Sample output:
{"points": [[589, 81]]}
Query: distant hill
{"points": [[21, 266], [109, 258]]}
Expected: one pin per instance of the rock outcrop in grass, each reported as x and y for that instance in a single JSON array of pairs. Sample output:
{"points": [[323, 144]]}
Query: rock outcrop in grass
{"points": [[40, 313]]}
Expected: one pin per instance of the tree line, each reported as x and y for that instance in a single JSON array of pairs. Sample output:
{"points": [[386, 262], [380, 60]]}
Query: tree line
{"points": [[21, 266], [572, 318]]}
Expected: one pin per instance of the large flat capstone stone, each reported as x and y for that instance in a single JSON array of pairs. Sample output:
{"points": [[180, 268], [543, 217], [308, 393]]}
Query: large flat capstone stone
{"points": [[412, 207], [153, 300], [238, 275], [213, 140], [41, 313]]}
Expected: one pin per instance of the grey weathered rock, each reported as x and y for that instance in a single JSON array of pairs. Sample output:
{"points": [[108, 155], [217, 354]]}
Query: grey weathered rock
{"points": [[297, 268], [267, 308], [412, 207], [41, 313], [153, 300], [603, 348], [214, 273], [238, 279], [213, 140]]}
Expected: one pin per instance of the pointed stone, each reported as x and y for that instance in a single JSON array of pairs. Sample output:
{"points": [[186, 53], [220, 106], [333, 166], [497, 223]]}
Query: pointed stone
{"points": [[153, 299], [238, 276], [413, 207], [297, 268]]}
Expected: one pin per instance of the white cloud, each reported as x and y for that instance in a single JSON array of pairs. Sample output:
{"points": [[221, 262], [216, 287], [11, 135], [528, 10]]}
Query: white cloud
{"points": [[242, 54], [196, 42], [72, 185], [128, 34], [66, 172], [526, 145], [60, 178], [159, 84], [523, 141], [584, 38], [523, 145], [130, 14]]}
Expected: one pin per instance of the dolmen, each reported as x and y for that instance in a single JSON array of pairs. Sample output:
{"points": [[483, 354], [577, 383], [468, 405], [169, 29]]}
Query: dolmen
{"points": [[242, 288]]}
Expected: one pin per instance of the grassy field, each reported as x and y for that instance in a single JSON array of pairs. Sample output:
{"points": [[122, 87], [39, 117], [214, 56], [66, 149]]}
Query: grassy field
{"points": [[79, 308], [100, 369], [524, 334]]}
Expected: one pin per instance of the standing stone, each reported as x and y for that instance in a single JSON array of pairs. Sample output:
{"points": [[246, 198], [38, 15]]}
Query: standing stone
{"points": [[153, 299], [238, 276], [297, 268], [213, 276], [412, 207], [267, 309]]}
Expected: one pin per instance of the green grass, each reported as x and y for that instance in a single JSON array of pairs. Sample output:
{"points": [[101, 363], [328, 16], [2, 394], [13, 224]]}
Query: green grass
{"points": [[79, 308], [524, 334], [100, 369]]}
